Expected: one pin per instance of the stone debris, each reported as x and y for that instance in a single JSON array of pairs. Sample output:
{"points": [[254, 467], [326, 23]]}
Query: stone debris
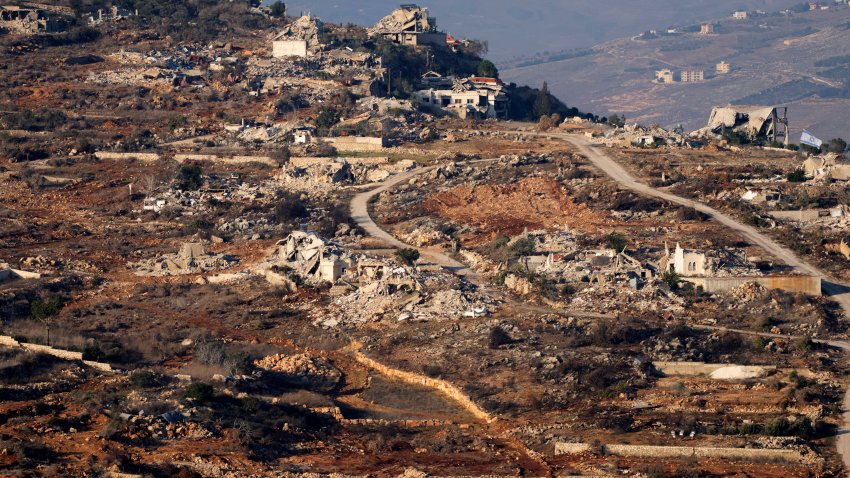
{"points": [[749, 292], [191, 259], [308, 256], [302, 369], [164, 427]]}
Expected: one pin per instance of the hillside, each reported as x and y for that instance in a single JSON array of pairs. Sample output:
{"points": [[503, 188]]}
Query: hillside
{"points": [[797, 59]]}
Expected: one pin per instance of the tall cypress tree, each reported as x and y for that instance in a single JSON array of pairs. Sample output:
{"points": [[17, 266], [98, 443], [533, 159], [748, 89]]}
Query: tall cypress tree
{"points": [[543, 103]]}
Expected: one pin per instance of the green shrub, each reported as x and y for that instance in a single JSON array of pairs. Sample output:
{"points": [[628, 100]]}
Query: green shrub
{"points": [[199, 392], [407, 256]]}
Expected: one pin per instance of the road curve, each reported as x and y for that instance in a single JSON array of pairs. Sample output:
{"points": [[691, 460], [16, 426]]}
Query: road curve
{"points": [[360, 215], [838, 292]]}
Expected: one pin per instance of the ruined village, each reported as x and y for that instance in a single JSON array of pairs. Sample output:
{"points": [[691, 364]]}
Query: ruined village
{"points": [[271, 245]]}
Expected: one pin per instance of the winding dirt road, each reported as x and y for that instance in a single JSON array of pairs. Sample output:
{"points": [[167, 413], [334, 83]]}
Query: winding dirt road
{"points": [[832, 288]]}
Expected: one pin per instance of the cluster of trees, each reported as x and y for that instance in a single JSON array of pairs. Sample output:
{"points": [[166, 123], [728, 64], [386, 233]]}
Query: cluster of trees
{"points": [[189, 20], [530, 104]]}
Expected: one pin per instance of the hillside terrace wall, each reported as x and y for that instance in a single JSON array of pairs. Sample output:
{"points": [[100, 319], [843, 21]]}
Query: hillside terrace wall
{"points": [[148, 157], [810, 285], [440, 385], [644, 451], [181, 158], [7, 341]]}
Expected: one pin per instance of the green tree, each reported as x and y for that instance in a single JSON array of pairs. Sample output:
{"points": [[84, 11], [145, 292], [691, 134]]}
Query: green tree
{"points": [[327, 117], [44, 311], [407, 256], [796, 176], [671, 278], [543, 103], [487, 69], [616, 241], [836, 145], [189, 178], [277, 9], [617, 121]]}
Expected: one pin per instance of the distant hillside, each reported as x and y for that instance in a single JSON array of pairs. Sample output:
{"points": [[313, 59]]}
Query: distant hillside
{"points": [[800, 60], [521, 28]]}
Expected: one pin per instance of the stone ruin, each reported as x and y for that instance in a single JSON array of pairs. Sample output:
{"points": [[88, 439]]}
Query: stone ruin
{"points": [[192, 258]]}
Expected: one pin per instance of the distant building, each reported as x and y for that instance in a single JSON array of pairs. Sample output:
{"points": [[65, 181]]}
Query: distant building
{"points": [[740, 15], [706, 28], [722, 68], [29, 20], [692, 76], [664, 76]]}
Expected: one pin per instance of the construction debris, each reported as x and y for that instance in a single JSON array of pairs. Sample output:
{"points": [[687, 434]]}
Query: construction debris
{"points": [[191, 259]]}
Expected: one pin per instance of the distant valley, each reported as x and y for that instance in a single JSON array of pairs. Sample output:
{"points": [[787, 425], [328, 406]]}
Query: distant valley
{"points": [[798, 60]]}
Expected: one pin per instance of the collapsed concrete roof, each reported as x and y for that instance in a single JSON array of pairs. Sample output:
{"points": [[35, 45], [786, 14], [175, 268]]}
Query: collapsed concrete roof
{"points": [[406, 18], [754, 121]]}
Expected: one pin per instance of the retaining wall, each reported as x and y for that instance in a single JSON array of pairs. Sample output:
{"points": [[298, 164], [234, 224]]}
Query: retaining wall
{"points": [[810, 285], [440, 385], [7, 341], [695, 368], [114, 155], [644, 451], [357, 143], [181, 158]]}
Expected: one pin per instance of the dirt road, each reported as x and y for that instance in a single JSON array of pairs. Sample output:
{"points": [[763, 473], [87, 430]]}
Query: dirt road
{"points": [[360, 214], [832, 288]]}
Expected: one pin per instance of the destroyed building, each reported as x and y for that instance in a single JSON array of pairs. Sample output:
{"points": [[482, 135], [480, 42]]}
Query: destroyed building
{"points": [[758, 123], [299, 39], [311, 257], [192, 258], [694, 263], [827, 166], [29, 21], [409, 25], [474, 97]]}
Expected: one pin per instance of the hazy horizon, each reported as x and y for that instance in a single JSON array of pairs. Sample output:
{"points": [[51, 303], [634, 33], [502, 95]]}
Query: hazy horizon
{"points": [[541, 25]]}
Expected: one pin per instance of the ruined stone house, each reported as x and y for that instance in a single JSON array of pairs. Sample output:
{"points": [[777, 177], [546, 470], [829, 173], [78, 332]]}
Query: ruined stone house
{"points": [[474, 97], [29, 21], [695, 263], [409, 25], [310, 256]]}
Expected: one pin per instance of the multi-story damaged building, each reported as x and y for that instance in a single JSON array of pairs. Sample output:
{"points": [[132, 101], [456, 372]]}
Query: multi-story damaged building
{"points": [[409, 25], [29, 21], [474, 97], [756, 122]]}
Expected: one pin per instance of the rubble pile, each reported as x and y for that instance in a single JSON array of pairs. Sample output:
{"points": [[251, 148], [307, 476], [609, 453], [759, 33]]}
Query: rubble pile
{"points": [[301, 365], [611, 298], [302, 369], [191, 259], [749, 292], [517, 160], [168, 426], [307, 255]]}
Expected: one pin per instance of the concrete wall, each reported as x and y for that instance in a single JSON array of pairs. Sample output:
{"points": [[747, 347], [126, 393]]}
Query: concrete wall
{"points": [[692, 369], [139, 156], [805, 284], [357, 143], [789, 456], [287, 48], [440, 385]]}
